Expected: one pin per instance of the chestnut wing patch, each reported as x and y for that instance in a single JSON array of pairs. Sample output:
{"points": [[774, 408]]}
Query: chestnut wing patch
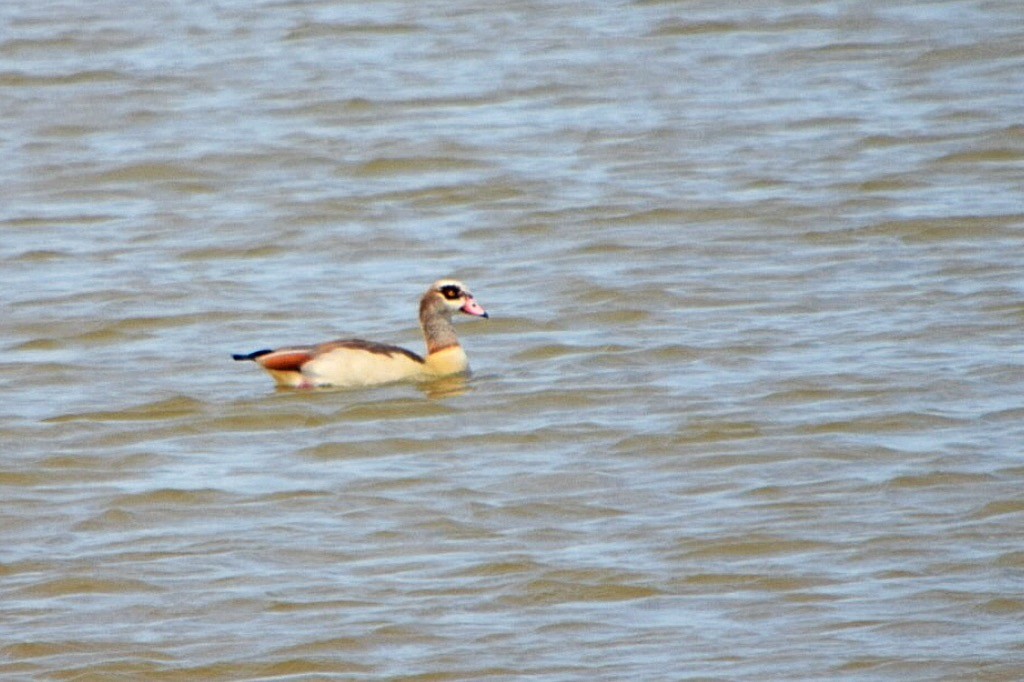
{"points": [[368, 347], [287, 360]]}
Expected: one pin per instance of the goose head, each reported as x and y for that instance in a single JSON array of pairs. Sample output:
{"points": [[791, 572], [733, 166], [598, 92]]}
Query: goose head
{"points": [[454, 296]]}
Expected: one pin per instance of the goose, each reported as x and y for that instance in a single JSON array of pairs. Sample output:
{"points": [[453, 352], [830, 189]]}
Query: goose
{"points": [[355, 362]]}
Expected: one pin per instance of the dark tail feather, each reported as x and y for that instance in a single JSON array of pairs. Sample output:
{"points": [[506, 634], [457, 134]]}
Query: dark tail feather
{"points": [[253, 355]]}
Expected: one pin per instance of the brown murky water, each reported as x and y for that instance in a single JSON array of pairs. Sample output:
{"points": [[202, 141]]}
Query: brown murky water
{"points": [[749, 405]]}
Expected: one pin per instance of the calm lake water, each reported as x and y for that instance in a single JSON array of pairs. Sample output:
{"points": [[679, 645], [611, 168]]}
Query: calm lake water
{"points": [[748, 407]]}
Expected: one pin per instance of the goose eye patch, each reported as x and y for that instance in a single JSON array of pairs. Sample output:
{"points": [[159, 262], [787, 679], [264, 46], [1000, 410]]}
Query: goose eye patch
{"points": [[451, 292]]}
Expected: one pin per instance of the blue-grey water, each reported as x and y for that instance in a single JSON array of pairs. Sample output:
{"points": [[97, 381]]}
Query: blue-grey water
{"points": [[749, 405]]}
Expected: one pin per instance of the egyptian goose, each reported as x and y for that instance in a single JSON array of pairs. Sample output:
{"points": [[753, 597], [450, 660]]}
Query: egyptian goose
{"points": [[354, 362]]}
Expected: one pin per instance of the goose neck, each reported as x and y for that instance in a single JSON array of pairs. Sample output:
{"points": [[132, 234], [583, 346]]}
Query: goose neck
{"points": [[438, 329]]}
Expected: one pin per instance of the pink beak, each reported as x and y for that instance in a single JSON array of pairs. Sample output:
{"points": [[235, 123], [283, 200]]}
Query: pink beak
{"points": [[473, 308]]}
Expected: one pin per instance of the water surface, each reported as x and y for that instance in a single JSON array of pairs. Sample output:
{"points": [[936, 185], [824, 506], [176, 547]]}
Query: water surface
{"points": [[748, 406]]}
